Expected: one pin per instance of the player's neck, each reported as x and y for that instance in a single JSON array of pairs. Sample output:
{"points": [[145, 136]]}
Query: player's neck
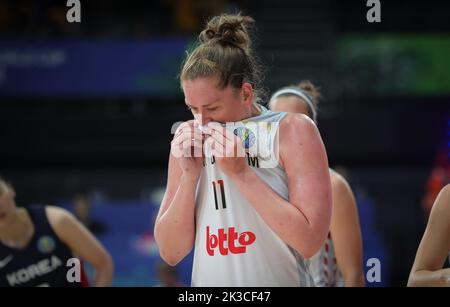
{"points": [[256, 109], [19, 231], [252, 112]]}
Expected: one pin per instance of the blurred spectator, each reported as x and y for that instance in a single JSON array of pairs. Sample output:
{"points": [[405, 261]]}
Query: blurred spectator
{"points": [[168, 276], [82, 209], [6, 17], [141, 19], [189, 15]]}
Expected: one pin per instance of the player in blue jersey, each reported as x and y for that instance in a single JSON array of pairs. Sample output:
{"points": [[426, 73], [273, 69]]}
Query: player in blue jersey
{"points": [[45, 246]]}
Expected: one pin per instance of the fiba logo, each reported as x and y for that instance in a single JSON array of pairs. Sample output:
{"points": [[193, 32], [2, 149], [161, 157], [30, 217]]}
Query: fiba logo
{"points": [[46, 244], [246, 135]]}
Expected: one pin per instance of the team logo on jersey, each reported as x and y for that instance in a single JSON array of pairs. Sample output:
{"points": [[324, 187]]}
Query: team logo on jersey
{"points": [[5, 261], [246, 135], [228, 241], [46, 244], [33, 271]]}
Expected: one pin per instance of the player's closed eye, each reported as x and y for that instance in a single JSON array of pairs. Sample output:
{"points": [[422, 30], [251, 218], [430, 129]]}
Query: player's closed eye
{"points": [[192, 109]]}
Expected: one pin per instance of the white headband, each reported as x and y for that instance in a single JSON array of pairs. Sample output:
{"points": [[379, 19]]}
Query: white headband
{"points": [[298, 93]]}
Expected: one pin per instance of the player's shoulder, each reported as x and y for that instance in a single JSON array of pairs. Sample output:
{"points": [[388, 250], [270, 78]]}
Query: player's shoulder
{"points": [[441, 206], [62, 221], [58, 216], [444, 197], [446, 191], [297, 119], [338, 180], [296, 125]]}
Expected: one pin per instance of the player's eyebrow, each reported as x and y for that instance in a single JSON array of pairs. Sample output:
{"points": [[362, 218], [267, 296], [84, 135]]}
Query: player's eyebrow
{"points": [[205, 105]]}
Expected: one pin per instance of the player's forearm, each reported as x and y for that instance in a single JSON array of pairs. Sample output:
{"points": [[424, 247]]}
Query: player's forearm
{"points": [[286, 220], [354, 278], [423, 278], [348, 250], [104, 273], [175, 229]]}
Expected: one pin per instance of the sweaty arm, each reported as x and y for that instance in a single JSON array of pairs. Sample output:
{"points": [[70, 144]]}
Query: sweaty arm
{"points": [[303, 221], [175, 223]]}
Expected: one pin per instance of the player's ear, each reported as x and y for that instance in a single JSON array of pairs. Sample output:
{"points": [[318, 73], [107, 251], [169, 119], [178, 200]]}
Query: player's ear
{"points": [[247, 93]]}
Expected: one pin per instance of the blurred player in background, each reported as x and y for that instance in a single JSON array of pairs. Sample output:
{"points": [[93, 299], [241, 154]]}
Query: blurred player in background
{"points": [[38, 247], [339, 262], [168, 276], [434, 247]]}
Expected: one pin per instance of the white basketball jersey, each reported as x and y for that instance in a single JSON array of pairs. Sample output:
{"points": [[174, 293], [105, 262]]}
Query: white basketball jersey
{"points": [[234, 247], [323, 266]]}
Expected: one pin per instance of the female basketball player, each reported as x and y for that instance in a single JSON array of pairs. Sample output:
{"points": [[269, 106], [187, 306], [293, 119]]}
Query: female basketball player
{"points": [[434, 247], [339, 262], [37, 246], [252, 222]]}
